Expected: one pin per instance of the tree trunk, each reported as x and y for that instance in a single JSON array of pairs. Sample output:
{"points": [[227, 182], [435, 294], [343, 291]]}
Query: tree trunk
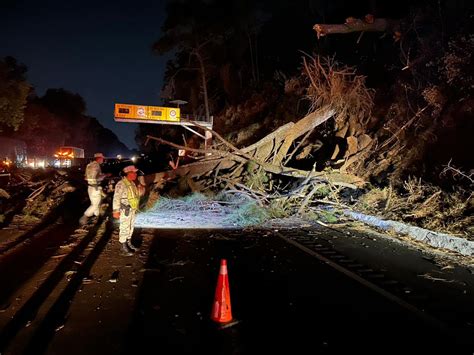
{"points": [[204, 84], [304, 125], [254, 74], [357, 25]]}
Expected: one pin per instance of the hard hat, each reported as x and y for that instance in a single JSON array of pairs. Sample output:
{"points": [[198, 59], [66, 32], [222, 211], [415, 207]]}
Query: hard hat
{"points": [[130, 169], [99, 155]]}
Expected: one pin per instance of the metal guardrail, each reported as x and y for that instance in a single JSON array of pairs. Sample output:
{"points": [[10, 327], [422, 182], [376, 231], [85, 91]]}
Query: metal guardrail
{"points": [[188, 117], [184, 120], [200, 120]]}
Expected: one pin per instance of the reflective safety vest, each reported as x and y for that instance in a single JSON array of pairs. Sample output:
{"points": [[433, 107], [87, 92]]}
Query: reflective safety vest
{"points": [[132, 194]]}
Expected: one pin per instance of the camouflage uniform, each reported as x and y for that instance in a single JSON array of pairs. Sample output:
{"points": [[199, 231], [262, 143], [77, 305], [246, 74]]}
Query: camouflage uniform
{"points": [[94, 177], [126, 199]]}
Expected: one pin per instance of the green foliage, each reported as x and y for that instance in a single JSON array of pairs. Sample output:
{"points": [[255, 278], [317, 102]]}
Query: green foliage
{"points": [[235, 212], [64, 103], [248, 214], [13, 93], [323, 191], [321, 215], [279, 209], [255, 179], [217, 39], [188, 203], [58, 119], [250, 166], [327, 216]]}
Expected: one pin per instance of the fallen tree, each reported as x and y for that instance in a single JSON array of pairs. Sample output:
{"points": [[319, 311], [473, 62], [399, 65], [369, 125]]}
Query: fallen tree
{"points": [[259, 170]]}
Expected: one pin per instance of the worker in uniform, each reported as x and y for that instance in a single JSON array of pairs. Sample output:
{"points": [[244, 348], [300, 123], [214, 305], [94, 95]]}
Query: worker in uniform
{"points": [[125, 205], [94, 178]]}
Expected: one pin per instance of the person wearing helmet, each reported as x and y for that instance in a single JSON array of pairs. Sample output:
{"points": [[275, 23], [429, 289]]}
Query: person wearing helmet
{"points": [[125, 205], [93, 177]]}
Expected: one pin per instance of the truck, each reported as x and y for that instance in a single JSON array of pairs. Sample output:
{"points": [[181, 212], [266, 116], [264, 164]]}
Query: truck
{"points": [[67, 157]]}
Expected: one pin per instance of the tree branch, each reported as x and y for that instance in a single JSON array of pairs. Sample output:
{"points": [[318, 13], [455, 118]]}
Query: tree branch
{"points": [[358, 25]]}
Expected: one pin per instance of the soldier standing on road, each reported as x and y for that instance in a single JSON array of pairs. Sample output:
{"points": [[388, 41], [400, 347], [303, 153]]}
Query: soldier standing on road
{"points": [[93, 177], [125, 205]]}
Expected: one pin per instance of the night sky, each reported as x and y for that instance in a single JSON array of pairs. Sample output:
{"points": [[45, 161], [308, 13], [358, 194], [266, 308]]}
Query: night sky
{"points": [[99, 50]]}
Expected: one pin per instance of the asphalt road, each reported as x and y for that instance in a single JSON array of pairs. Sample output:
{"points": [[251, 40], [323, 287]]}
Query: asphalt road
{"points": [[284, 299]]}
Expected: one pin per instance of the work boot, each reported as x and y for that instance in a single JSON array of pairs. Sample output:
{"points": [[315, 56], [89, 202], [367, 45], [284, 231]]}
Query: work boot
{"points": [[125, 250], [131, 246]]}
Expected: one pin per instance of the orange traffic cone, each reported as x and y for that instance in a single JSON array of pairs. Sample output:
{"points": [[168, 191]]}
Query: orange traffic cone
{"points": [[221, 310]]}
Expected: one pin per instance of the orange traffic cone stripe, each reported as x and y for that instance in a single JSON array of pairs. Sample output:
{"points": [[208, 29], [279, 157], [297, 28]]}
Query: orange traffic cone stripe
{"points": [[222, 310]]}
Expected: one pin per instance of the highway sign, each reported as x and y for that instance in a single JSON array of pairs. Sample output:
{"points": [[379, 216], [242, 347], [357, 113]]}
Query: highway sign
{"points": [[131, 113]]}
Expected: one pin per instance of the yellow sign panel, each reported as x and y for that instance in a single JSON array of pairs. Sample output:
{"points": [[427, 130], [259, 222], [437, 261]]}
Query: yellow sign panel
{"points": [[149, 113]]}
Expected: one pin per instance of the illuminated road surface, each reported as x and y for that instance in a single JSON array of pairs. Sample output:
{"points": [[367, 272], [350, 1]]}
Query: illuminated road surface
{"points": [[283, 299]]}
